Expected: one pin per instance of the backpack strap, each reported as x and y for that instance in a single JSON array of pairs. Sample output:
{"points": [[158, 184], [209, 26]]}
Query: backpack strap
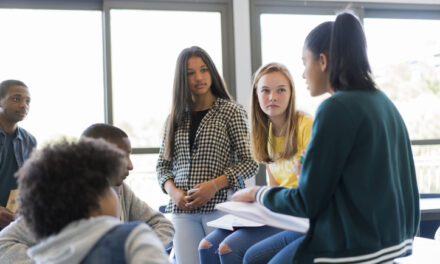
{"points": [[111, 247]]}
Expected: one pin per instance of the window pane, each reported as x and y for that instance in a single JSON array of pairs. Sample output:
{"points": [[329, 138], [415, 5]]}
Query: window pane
{"points": [[406, 64], [427, 159], [143, 180], [145, 46], [58, 54], [285, 46]]}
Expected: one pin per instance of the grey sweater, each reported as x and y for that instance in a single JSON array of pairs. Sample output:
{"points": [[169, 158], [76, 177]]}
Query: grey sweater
{"points": [[73, 243], [16, 238]]}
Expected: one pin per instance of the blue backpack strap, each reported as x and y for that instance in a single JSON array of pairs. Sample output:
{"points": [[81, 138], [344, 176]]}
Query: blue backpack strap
{"points": [[111, 247]]}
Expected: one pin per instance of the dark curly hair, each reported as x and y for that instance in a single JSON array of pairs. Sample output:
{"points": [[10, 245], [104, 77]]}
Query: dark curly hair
{"points": [[61, 183]]}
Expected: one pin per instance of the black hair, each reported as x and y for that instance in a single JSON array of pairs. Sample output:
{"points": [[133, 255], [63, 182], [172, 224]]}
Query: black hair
{"points": [[344, 43], [106, 131], [318, 40], [62, 183], [7, 84]]}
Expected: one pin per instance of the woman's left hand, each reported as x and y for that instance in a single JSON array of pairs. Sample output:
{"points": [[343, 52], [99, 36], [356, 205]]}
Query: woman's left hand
{"points": [[206, 191], [245, 195]]}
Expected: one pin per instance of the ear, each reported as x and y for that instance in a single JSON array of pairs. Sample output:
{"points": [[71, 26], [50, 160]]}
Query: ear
{"points": [[323, 62]]}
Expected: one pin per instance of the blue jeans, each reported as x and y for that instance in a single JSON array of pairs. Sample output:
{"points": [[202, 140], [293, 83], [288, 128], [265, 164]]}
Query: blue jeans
{"points": [[239, 241], [279, 248], [190, 229]]}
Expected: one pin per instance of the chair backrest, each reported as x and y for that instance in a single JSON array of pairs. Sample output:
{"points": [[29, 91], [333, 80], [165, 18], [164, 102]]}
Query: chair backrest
{"points": [[162, 208]]}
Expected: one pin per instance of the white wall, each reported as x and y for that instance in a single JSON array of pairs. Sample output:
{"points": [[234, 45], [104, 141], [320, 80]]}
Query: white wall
{"points": [[243, 68], [242, 45]]}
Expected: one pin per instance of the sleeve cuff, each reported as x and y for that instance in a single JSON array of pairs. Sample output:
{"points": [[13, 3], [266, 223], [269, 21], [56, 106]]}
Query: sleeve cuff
{"points": [[162, 181], [232, 180], [259, 195]]}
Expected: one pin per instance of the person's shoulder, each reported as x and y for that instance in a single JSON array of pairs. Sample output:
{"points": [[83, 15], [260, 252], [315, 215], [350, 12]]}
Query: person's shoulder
{"points": [[124, 190], [338, 99], [333, 107], [125, 186], [304, 119], [355, 96], [26, 134], [230, 106]]}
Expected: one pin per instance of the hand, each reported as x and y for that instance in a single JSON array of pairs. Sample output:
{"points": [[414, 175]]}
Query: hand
{"points": [[6, 216], [245, 195], [206, 191], [178, 197]]}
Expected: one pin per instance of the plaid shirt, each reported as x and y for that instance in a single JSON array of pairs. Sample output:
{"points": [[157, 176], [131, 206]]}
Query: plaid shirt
{"points": [[221, 146]]}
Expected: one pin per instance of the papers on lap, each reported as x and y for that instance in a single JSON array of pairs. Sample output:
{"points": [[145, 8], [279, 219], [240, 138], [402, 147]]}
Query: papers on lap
{"points": [[232, 222], [12, 203], [260, 214]]}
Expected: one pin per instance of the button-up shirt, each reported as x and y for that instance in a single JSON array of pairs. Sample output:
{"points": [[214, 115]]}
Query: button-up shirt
{"points": [[221, 146], [23, 144]]}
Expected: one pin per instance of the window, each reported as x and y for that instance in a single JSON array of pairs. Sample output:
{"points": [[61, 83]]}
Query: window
{"points": [[143, 63], [109, 61], [144, 40], [405, 61], [143, 180], [406, 65], [58, 55]]}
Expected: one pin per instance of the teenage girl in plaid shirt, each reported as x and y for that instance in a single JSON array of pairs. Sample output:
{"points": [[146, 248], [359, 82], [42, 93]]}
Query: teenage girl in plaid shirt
{"points": [[205, 147]]}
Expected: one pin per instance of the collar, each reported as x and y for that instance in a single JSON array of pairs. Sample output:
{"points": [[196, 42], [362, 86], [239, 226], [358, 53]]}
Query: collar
{"points": [[18, 133]]}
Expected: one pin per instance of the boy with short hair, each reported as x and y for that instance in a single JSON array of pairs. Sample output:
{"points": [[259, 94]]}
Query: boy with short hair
{"points": [[16, 143], [16, 238], [68, 203]]}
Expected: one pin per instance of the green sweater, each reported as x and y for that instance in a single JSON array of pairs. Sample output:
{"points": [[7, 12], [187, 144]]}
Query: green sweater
{"points": [[357, 186]]}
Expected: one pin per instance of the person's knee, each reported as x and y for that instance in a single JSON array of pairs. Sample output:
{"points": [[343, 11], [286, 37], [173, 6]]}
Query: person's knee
{"points": [[224, 248], [247, 258], [204, 244]]}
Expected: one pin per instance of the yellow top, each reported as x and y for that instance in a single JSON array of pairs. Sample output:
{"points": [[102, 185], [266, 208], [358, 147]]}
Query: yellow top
{"points": [[283, 170]]}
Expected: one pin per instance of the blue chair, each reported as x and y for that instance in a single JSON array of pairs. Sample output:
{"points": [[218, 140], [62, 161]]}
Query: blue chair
{"points": [[169, 249]]}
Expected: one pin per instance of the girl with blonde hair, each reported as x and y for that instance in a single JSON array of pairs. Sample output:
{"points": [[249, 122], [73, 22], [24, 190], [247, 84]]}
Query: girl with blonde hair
{"points": [[279, 134]]}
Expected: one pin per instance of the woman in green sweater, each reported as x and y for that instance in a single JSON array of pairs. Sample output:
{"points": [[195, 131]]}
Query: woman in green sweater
{"points": [[358, 183]]}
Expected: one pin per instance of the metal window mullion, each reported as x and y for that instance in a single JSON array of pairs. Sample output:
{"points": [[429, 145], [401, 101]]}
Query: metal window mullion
{"points": [[145, 151], [108, 88]]}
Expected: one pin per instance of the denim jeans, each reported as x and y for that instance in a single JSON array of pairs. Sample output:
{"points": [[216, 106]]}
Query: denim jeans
{"points": [[190, 229], [279, 248], [239, 241]]}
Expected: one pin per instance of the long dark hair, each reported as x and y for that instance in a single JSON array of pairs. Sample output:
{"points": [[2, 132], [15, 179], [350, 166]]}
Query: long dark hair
{"points": [[182, 95], [344, 43]]}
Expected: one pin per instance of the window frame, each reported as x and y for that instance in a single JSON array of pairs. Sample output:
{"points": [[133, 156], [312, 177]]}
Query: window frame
{"points": [[224, 7], [363, 10]]}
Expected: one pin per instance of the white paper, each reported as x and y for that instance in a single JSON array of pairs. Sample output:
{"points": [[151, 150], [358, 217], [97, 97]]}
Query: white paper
{"points": [[260, 214], [232, 222]]}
